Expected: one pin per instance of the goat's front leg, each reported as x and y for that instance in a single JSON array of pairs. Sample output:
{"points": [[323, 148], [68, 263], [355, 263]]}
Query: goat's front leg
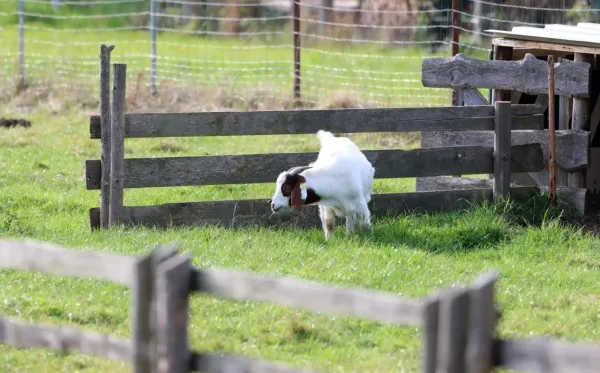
{"points": [[327, 215], [350, 220]]}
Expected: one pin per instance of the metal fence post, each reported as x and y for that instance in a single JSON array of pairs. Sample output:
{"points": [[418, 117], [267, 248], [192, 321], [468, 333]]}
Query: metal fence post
{"points": [[153, 47], [21, 12]]}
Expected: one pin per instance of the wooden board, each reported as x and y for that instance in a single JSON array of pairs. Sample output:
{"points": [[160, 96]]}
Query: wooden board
{"points": [[571, 146], [30, 255], [287, 122], [64, 339], [210, 362], [529, 75], [256, 212], [261, 168], [372, 305], [546, 46], [573, 196], [548, 36]]}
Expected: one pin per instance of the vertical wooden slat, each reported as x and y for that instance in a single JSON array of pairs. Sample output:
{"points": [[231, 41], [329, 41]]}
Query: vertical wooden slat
{"points": [[172, 314], [551, 131], [105, 132], [502, 149], [431, 316], [504, 54], [482, 322], [581, 120], [142, 290], [117, 143], [452, 337]]}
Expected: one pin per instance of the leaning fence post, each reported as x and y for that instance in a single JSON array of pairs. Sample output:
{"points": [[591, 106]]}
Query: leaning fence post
{"points": [[431, 314], [117, 144], [172, 314], [105, 132], [502, 148], [453, 330], [142, 290], [482, 323]]}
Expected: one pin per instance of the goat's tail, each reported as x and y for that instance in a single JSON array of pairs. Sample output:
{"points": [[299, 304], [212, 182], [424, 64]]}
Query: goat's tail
{"points": [[324, 136]]}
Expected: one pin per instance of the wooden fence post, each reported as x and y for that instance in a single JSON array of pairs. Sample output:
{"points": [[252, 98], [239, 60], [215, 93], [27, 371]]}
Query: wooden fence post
{"points": [[117, 144], [431, 314], [453, 331], [142, 293], [502, 149], [482, 323], [173, 291], [105, 132]]}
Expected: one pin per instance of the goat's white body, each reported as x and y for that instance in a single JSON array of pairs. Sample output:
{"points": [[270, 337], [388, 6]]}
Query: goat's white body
{"points": [[343, 177]]}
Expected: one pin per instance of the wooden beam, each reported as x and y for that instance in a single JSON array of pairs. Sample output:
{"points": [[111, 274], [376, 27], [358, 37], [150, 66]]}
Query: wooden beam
{"points": [[582, 110], [64, 339], [473, 97], [221, 363], [287, 291], [526, 44], [117, 144], [502, 150], [529, 75], [571, 146], [105, 108], [293, 122], [257, 212], [545, 355], [29, 255], [262, 168], [576, 197]]}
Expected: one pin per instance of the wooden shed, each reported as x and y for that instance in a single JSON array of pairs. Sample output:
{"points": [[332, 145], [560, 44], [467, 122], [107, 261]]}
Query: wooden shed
{"points": [[578, 43]]}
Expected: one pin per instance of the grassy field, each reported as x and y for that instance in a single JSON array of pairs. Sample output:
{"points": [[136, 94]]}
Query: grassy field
{"points": [[549, 272]]}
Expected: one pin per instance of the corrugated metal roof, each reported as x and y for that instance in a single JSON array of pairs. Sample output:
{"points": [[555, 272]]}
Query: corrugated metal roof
{"points": [[584, 34]]}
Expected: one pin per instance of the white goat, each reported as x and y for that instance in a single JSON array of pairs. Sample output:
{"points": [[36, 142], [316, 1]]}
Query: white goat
{"points": [[339, 181]]}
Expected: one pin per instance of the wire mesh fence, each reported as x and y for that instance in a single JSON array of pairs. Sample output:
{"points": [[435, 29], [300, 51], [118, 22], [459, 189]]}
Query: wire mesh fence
{"points": [[240, 53]]}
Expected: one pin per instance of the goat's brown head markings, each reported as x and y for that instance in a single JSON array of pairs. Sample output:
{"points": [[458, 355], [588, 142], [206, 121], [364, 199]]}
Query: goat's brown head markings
{"points": [[291, 188]]}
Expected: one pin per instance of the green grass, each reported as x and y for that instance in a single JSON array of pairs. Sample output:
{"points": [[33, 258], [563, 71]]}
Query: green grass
{"points": [[549, 273], [548, 286]]}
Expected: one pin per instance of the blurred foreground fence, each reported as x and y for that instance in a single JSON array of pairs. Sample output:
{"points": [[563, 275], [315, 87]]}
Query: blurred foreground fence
{"points": [[458, 323], [246, 52]]}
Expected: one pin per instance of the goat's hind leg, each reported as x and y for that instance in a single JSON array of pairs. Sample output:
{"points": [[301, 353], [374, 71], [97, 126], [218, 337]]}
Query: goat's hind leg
{"points": [[364, 217], [327, 220]]}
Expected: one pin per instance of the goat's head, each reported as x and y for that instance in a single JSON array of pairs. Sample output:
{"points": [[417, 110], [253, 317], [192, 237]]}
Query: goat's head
{"points": [[287, 189]]}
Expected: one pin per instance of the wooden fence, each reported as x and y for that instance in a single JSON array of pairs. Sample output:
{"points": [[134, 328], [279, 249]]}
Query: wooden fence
{"points": [[528, 81], [112, 173], [458, 323]]}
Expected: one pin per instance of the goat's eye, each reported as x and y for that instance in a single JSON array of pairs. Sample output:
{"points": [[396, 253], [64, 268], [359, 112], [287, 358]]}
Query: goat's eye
{"points": [[286, 189]]}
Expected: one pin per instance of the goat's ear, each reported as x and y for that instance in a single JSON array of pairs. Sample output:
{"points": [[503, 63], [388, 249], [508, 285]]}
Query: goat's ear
{"points": [[296, 196]]}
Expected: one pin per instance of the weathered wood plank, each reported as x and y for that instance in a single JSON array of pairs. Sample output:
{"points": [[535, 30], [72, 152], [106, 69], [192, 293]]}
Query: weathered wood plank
{"points": [[581, 121], [142, 291], [288, 291], [573, 196], [20, 334], [453, 330], [28, 255], [117, 144], [502, 148], [473, 97], [264, 168], [529, 75], [172, 313], [431, 315], [257, 212], [482, 323], [289, 122], [544, 355], [104, 130], [225, 363], [571, 146]]}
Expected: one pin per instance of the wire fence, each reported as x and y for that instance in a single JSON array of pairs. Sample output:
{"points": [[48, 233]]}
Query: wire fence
{"points": [[240, 53]]}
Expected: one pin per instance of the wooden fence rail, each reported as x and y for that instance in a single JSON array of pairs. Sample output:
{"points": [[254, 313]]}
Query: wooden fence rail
{"points": [[458, 323], [500, 158]]}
